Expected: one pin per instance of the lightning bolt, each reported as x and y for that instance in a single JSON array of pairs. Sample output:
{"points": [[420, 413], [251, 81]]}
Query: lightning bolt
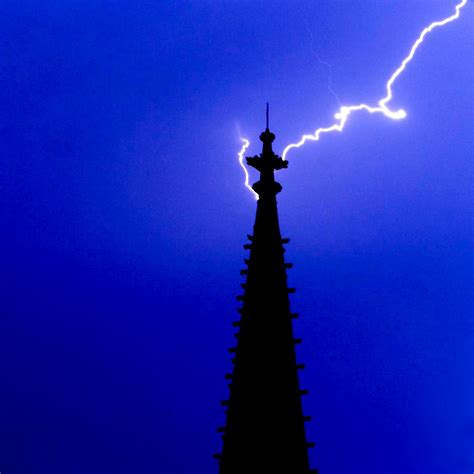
{"points": [[245, 145], [346, 110], [323, 63]]}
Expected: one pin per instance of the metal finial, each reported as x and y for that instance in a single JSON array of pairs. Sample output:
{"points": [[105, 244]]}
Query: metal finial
{"points": [[268, 114]]}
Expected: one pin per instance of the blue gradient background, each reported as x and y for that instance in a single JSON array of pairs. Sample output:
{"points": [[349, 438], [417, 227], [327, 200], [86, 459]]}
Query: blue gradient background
{"points": [[123, 214]]}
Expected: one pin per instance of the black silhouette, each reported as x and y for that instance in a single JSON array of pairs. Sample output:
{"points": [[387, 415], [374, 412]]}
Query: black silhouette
{"points": [[265, 426]]}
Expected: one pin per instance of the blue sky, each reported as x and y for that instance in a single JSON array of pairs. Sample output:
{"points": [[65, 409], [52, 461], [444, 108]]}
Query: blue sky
{"points": [[124, 214]]}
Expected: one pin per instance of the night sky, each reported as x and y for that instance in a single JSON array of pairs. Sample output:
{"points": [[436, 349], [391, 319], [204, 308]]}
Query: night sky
{"points": [[123, 214]]}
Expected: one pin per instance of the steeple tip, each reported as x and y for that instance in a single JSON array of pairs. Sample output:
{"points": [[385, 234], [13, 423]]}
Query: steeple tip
{"points": [[268, 117], [267, 136]]}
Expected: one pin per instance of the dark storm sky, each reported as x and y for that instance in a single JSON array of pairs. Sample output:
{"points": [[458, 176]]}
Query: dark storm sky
{"points": [[123, 214]]}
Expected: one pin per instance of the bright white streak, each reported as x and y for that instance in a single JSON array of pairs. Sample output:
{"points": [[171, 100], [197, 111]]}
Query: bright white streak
{"points": [[245, 145], [345, 111]]}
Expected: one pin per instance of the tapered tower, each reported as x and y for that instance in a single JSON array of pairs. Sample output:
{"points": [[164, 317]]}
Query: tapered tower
{"points": [[265, 426]]}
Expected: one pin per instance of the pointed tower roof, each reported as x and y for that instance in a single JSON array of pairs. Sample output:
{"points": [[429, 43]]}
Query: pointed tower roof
{"points": [[265, 427]]}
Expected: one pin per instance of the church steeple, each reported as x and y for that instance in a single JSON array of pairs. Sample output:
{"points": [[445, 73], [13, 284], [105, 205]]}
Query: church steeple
{"points": [[265, 427]]}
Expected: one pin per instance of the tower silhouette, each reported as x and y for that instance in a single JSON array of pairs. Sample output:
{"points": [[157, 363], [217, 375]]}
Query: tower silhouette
{"points": [[265, 427]]}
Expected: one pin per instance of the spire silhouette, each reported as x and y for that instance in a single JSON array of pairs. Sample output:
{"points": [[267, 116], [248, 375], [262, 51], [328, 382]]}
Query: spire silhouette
{"points": [[265, 427]]}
